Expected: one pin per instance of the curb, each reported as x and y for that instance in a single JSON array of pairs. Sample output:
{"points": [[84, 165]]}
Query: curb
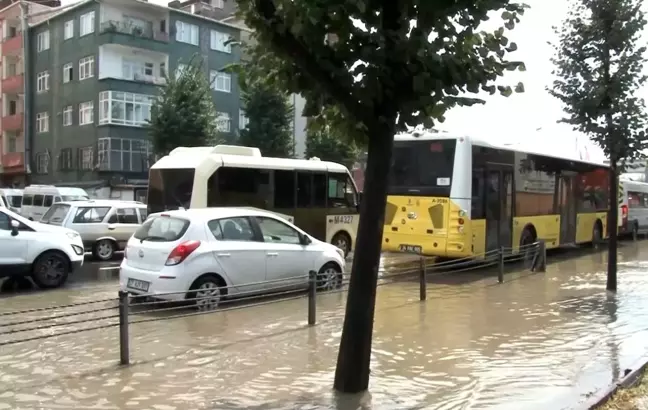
{"points": [[629, 378]]}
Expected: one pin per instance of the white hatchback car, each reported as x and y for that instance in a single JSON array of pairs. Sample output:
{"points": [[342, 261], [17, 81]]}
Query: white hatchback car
{"points": [[46, 253], [224, 252]]}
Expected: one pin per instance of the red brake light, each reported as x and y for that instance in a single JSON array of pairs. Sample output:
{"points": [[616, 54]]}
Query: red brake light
{"points": [[624, 211], [181, 252]]}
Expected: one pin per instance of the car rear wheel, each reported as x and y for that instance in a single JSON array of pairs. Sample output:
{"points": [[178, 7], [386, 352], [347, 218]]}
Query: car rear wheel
{"points": [[206, 293], [104, 250], [50, 270], [329, 277]]}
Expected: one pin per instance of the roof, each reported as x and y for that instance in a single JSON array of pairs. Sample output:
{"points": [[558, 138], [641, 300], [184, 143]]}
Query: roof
{"points": [[67, 9], [103, 202], [219, 212], [482, 142]]}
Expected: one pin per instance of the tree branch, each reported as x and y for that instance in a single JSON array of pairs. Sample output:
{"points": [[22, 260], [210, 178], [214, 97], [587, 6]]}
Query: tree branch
{"points": [[310, 65]]}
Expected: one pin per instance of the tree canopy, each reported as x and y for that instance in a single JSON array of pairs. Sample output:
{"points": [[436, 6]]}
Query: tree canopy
{"points": [[184, 112], [327, 146]]}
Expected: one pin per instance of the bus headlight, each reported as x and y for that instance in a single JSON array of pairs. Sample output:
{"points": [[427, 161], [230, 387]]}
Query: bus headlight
{"points": [[462, 213]]}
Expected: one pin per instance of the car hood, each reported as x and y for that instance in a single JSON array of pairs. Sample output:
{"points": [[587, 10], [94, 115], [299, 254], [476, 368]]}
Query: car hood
{"points": [[41, 227]]}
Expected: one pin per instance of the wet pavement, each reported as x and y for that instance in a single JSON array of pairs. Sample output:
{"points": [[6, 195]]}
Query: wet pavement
{"points": [[538, 341]]}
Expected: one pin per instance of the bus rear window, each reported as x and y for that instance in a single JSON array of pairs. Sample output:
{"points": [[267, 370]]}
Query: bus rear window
{"points": [[170, 189], [422, 168]]}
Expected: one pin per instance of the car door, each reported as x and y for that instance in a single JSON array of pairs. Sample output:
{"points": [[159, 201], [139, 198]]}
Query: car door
{"points": [[240, 253], [122, 224], [13, 249], [287, 258]]}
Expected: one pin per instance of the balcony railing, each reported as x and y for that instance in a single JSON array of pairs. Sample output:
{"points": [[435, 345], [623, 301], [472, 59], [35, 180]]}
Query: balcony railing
{"points": [[13, 160], [124, 27], [151, 79], [13, 84], [12, 122], [12, 45]]}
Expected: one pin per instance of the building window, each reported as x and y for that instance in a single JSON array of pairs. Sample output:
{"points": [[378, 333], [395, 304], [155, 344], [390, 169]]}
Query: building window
{"points": [[86, 155], [12, 144], [42, 82], [67, 116], [42, 122], [68, 30], [65, 159], [136, 70], [67, 73], [221, 81], [223, 122], [43, 41], [86, 67], [219, 4], [42, 163], [124, 154], [116, 107], [218, 42], [87, 24], [86, 113], [186, 33], [243, 120]]}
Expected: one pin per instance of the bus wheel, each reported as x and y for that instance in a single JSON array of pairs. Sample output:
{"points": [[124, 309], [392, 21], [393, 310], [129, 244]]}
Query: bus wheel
{"points": [[342, 241], [597, 234]]}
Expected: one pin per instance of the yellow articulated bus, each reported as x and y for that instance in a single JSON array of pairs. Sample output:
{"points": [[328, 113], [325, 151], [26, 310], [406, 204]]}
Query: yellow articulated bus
{"points": [[458, 197]]}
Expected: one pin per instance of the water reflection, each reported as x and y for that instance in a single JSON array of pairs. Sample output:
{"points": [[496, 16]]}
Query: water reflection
{"points": [[523, 344]]}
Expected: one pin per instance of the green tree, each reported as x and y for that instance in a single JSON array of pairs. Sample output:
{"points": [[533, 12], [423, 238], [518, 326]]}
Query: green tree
{"points": [[184, 114], [372, 68], [327, 146], [599, 69], [269, 121]]}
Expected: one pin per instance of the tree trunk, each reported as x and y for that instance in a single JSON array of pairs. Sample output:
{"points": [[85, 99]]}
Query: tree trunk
{"points": [[352, 372], [612, 224]]}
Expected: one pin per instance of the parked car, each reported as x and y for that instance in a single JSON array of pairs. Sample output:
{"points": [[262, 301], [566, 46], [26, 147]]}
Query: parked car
{"points": [[37, 199], [104, 225], [212, 253], [46, 253]]}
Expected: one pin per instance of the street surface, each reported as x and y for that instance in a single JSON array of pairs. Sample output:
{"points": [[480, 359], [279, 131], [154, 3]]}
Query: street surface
{"points": [[474, 343]]}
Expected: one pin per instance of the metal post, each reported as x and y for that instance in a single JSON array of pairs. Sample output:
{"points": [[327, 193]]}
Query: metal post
{"points": [[422, 280], [27, 95], [312, 291], [500, 271], [124, 348], [542, 252]]}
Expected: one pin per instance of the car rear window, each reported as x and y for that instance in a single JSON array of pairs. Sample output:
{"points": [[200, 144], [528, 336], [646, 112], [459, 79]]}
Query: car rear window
{"points": [[162, 229], [56, 214]]}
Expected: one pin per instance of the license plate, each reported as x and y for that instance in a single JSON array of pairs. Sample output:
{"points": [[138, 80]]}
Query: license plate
{"points": [[411, 248], [138, 285]]}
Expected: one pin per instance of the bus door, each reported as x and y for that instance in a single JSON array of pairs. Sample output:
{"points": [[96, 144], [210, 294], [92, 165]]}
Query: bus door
{"points": [[499, 207], [567, 209]]}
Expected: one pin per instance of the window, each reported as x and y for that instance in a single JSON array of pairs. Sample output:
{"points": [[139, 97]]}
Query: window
{"points": [[5, 222], [43, 41], [48, 200], [86, 113], [162, 229], [12, 143], [186, 33], [232, 229], [304, 189], [218, 4], [42, 163], [67, 116], [86, 67], [223, 122], [243, 120], [56, 214], [319, 190], [42, 122], [87, 24], [68, 30], [478, 194], [136, 70], [284, 183], [28, 200], [90, 215], [218, 42], [38, 200], [180, 70], [220, 81], [85, 158], [127, 216], [124, 154], [65, 159], [116, 107], [42, 82], [340, 191], [13, 107], [231, 186], [67, 73], [277, 232]]}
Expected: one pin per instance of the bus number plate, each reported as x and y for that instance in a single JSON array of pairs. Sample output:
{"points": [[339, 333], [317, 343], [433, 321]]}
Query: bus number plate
{"points": [[411, 249], [342, 219]]}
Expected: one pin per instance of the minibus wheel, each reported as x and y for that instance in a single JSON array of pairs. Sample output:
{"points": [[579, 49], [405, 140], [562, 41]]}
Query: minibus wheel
{"points": [[342, 241]]}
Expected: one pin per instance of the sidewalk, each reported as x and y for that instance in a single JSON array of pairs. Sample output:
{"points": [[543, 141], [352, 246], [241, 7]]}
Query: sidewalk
{"points": [[634, 398]]}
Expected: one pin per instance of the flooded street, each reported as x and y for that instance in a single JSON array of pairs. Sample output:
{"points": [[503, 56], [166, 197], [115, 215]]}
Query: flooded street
{"points": [[474, 344]]}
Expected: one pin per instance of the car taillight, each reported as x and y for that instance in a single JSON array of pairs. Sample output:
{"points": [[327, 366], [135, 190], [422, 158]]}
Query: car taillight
{"points": [[624, 212], [181, 252]]}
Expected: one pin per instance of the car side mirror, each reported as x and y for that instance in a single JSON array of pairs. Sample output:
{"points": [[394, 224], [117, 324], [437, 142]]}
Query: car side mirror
{"points": [[304, 239], [14, 227], [31, 218]]}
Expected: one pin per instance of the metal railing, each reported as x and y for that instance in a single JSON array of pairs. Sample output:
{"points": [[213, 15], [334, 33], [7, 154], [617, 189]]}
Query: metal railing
{"points": [[127, 310], [126, 27]]}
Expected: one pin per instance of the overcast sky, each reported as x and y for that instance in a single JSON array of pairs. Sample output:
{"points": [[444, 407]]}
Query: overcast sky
{"points": [[516, 119]]}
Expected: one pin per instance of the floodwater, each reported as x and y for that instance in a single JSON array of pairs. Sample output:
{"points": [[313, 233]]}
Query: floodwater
{"points": [[538, 341]]}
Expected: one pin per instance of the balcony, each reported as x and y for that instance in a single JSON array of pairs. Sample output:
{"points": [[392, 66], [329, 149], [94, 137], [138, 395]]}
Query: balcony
{"points": [[150, 79], [128, 34], [12, 122], [12, 45], [14, 84], [13, 161]]}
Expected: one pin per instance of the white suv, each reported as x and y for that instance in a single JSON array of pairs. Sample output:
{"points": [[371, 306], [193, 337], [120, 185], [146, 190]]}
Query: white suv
{"points": [[46, 253], [217, 252]]}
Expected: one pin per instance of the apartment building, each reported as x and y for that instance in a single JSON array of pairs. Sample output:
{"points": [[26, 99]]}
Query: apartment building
{"points": [[97, 67], [12, 83]]}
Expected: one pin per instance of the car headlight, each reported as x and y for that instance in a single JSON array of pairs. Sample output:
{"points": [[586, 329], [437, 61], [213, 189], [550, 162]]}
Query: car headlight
{"points": [[72, 235]]}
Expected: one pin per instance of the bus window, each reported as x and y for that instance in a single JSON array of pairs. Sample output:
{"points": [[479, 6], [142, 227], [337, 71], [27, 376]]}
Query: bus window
{"points": [[478, 196], [340, 191], [319, 190], [422, 168], [239, 187], [284, 189], [170, 189], [304, 189]]}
